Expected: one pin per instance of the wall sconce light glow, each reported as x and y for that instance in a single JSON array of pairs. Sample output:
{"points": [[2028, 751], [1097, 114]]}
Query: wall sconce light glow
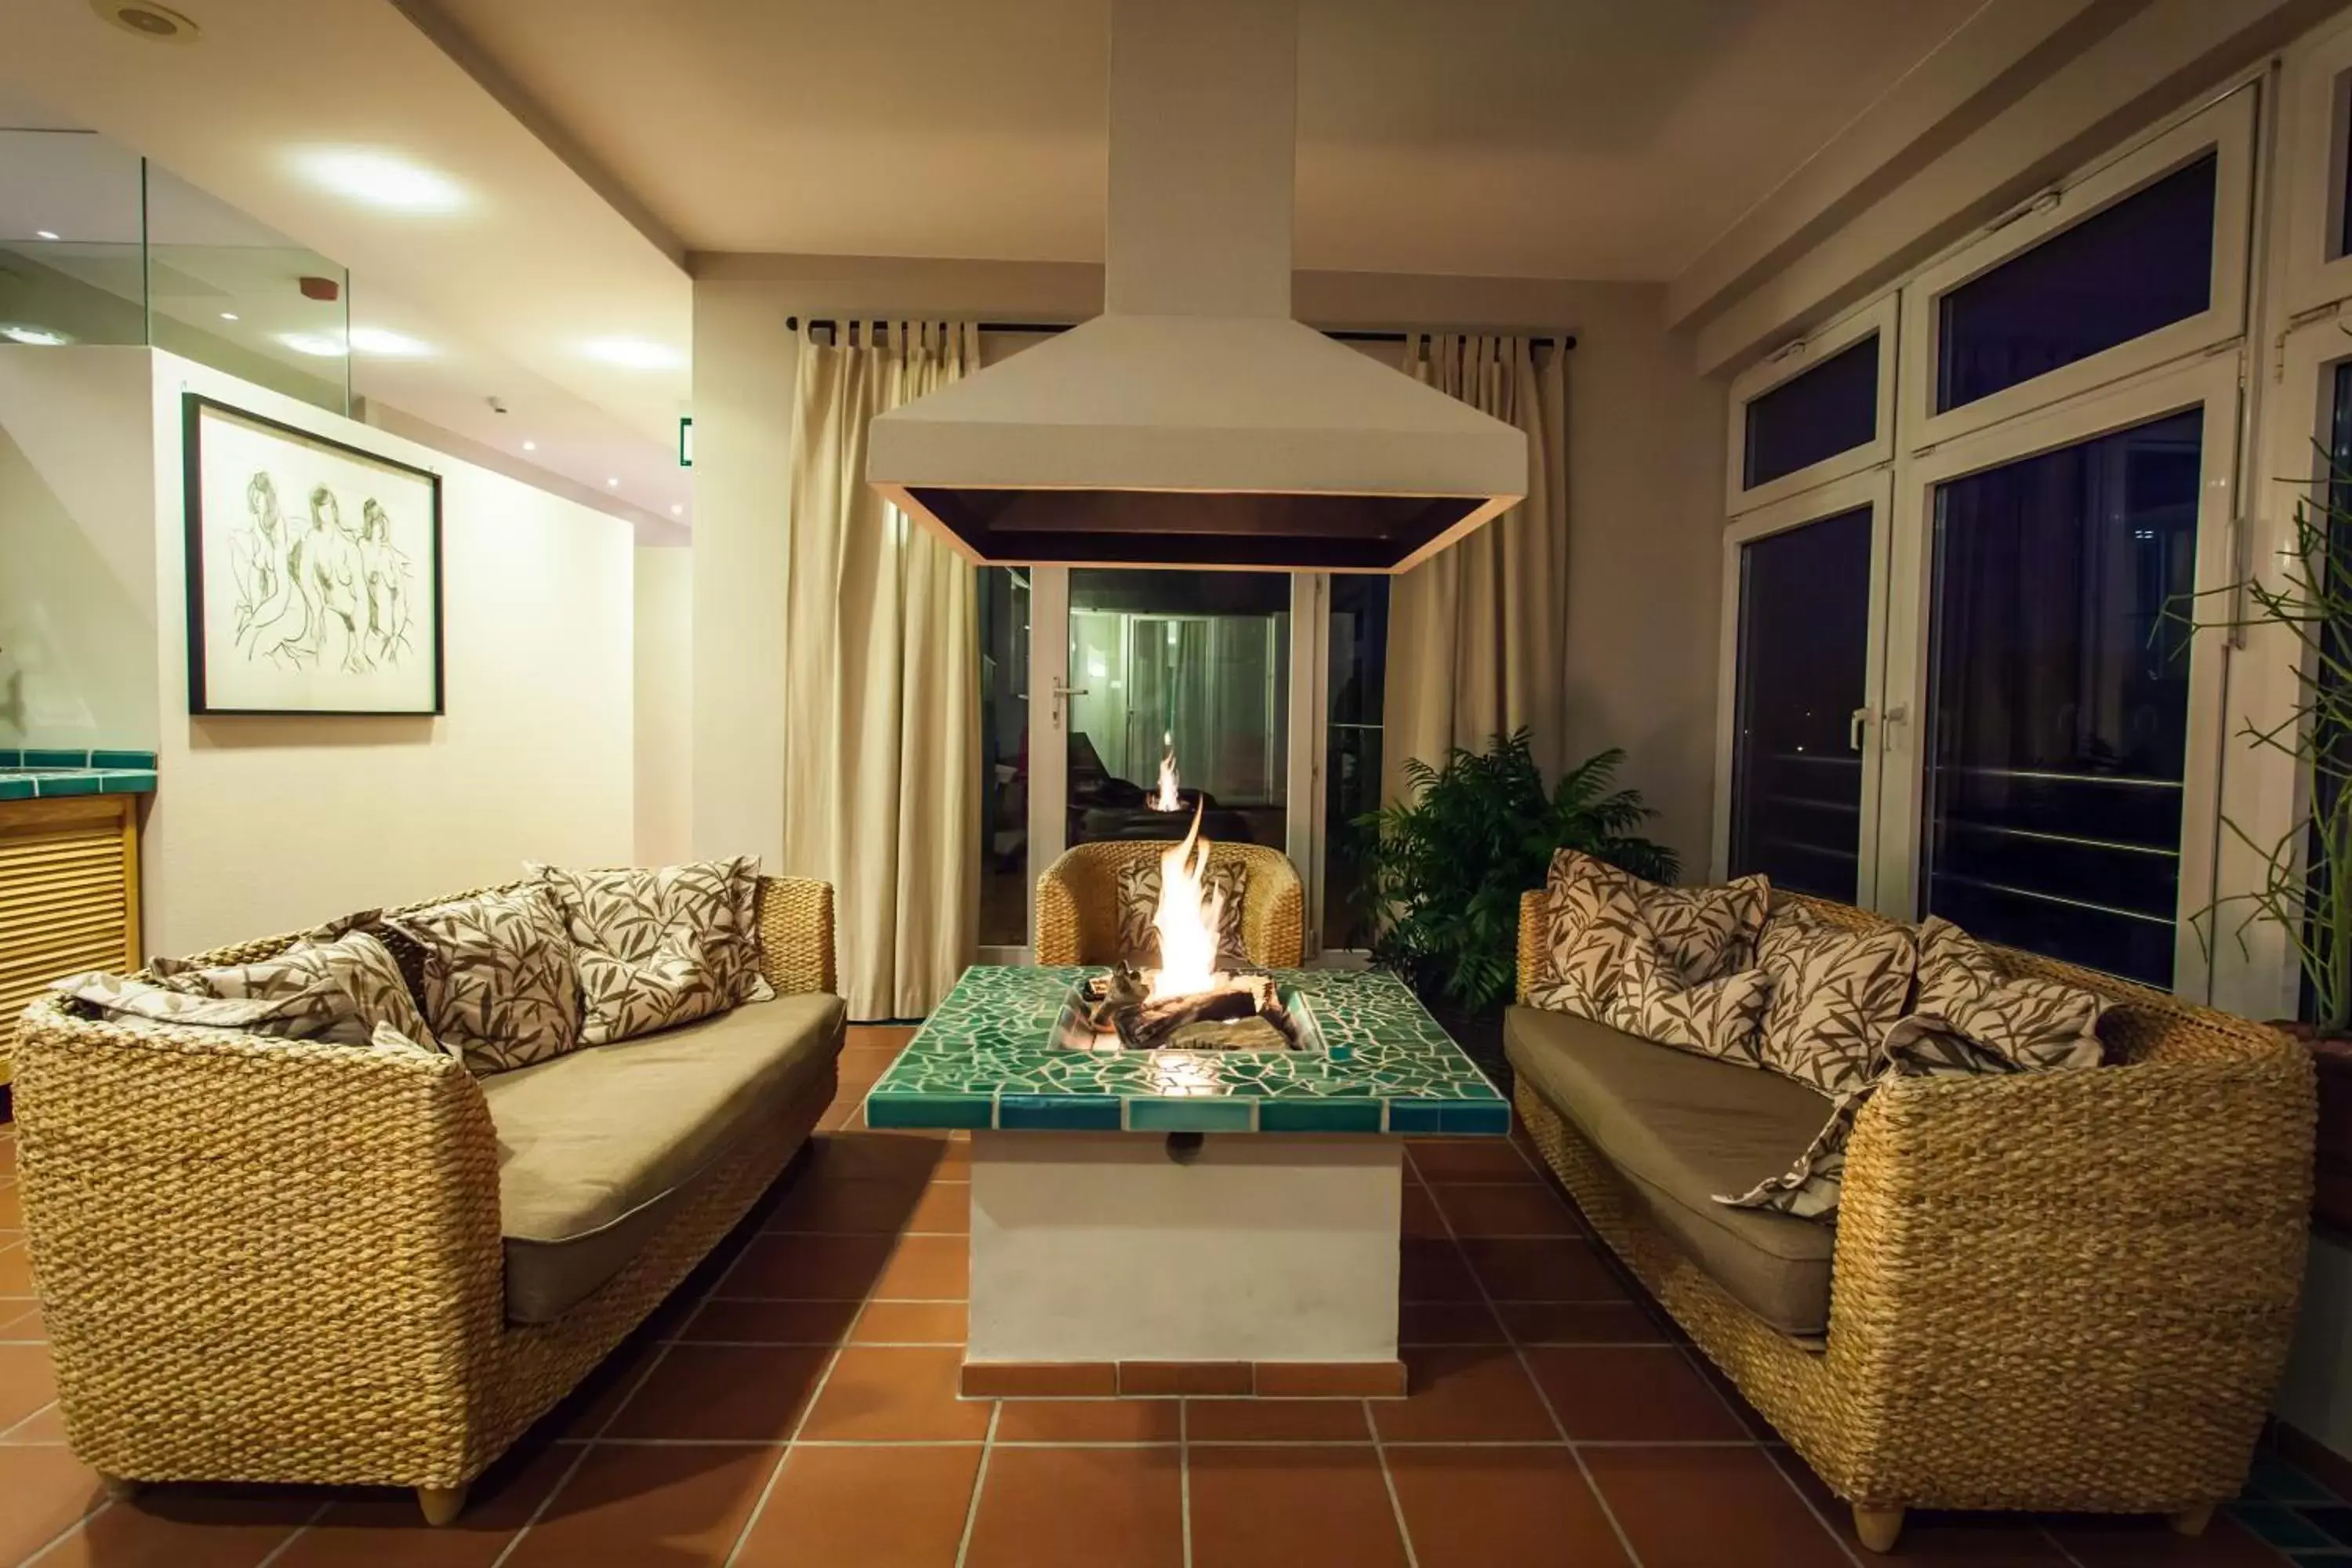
{"points": [[613, 483], [530, 446], [314, 343], [635, 353], [45, 233], [381, 180], [228, 315], [34, 337], [677, 509], [376, 340]]}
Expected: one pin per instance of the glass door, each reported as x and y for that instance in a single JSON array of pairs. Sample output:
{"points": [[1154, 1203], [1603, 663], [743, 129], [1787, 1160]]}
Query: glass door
{"points": [[2070, 721], [1799, 741]]}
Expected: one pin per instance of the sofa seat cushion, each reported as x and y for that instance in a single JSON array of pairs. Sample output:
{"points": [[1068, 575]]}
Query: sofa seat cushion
{"points": [[595, 1146], [1681, 1129]]}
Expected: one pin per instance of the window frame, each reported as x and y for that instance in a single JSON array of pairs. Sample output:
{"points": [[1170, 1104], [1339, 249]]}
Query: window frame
{"points": [[2315, 123], [1876, 490], [1880, 316], [2225, 128], [2210, 385]]}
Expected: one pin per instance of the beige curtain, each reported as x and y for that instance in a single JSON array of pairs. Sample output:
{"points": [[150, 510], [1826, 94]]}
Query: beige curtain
{"points": [[882, 738], [1477, 644]]}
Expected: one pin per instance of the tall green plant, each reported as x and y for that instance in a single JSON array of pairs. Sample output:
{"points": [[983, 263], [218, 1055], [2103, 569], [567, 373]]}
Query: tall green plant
{"points": [[2306, 873], [1444, 869]]}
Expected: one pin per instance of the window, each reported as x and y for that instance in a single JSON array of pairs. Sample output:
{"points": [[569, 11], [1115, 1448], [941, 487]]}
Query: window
{"points": [[1811, 416], [1353, 758], [2141, 264], [1002, 593], [2058, 709], [1798, 743]]}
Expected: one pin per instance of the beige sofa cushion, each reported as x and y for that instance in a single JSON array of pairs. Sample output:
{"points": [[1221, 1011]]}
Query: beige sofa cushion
{"points": [[596, 1145], [1680, 1129]]}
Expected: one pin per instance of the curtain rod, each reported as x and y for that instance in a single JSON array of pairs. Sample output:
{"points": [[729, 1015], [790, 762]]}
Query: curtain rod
{"points": [[1562, 341]]}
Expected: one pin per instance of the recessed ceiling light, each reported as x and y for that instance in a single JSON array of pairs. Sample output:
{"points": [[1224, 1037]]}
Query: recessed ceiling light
{"points": [[635, 354], [45, 233], [677, 509], [146, 19], [376, 340], [314, 343], [34, 337], [612, 483], [381, 180], [228, 315], [530, 446]]}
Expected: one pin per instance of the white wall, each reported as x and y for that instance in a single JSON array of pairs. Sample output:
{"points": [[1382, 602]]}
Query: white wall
{"points": [[665, 705], [1645, 438], [77, 550]]}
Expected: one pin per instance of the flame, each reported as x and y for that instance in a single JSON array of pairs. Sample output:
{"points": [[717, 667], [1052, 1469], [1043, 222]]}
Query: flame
{"points": [[1167, 798], [1187, 919]]}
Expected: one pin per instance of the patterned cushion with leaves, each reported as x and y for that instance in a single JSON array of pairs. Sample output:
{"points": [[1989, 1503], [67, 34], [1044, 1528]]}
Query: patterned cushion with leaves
{"points": [[635, 914], [1589, 907], [499, 984], [1137, 892], [1720, 1017], [2026, 1022], [341, 990], [1835, 995]]}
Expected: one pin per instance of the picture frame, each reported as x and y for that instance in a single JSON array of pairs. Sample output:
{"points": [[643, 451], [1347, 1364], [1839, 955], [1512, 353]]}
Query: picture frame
{"points": [[313, 572]]}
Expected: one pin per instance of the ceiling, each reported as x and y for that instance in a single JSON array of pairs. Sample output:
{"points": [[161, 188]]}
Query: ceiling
{"points": [[1589, 139]]}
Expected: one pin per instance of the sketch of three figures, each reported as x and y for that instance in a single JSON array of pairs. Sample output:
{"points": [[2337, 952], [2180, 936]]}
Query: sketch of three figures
{"points": [[307, 590]]}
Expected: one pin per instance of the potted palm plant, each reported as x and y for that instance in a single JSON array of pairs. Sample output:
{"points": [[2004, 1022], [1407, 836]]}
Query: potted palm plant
{"points": [[1444, 867]]}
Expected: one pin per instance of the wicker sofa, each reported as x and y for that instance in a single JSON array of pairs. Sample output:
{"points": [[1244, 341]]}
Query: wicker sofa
{"points": [[274, 1260], [2063, 1290], [1078, 901]]}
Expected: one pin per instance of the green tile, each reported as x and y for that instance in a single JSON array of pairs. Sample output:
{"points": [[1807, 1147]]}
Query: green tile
{"points": [[137, 759], [16, 788], [126, 781], [11, 758], [48, 785], [1491, 1120], [1060, 1113], [1407, 1116], [1188, 1115], [1318, 1116], [933, 1111], [54, 759]]}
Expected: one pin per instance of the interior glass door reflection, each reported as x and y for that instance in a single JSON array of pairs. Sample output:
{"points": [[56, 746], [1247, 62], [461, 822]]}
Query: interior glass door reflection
{"points": [[1802, 737], [1188, 666]]}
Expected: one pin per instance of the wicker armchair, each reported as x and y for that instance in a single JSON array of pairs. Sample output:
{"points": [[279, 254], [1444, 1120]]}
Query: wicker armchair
{"points": [[1078, 901], [2064, 1291], [273, 1260]]}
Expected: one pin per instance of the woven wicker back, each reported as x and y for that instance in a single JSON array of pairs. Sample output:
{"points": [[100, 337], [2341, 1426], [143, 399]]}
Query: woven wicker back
{"points": [[1077, 900]]}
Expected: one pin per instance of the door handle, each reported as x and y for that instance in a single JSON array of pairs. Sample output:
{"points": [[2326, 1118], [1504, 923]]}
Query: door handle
{"points": [[1063, 692], [1854, 721]]}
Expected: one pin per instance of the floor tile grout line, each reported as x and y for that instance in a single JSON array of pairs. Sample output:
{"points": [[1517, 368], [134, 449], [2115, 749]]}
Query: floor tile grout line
{"points": [[298, 1532], [29, 1416], [1388, 1481], [586, 1445], [979, 1480], [52, 1544], [1183, 1474], [1807, 1503], [1543, 1396]]}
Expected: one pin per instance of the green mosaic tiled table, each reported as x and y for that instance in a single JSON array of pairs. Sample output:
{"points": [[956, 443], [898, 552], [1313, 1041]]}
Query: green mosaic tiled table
{"points": [[985, 1058]]}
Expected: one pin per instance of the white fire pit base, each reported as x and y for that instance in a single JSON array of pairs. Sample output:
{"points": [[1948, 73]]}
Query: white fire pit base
{"points": [[1157, 1263]]}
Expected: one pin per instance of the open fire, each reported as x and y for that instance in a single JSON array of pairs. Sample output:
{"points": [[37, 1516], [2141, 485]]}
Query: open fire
{"points": [[1188, 1001], [1165, 798]]}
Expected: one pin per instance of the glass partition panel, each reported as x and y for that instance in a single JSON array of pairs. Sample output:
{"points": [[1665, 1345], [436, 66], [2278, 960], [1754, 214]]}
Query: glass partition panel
{"points": [[1796, 768], [1814, 416], [236, 295], [69, 240], [2134, 266], [2058, 698], [1196, 664], [1003, 596], [1353, 758]]}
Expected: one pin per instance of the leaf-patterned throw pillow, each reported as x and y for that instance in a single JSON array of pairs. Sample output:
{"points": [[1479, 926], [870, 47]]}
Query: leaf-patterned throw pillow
{"points": [[1835, 995], [1720, 1017], [660, 946], [1138, 892], [1590, 907], [342, 991], [499, 986]]}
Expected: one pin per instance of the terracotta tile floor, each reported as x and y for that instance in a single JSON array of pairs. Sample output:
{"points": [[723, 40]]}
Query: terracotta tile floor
{"points": [[795, 1407]]}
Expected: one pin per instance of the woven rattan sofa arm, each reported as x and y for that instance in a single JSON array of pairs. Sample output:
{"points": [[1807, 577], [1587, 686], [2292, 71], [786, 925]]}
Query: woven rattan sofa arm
{"points": [[1531, 938], [2098, 1267], [1057, 917], [253, 1254], [796, 935]]}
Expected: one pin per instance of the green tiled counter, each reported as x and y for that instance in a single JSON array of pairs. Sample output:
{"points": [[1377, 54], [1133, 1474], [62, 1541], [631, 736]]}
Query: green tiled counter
{"points": [[45, 773], [985, 1059]]}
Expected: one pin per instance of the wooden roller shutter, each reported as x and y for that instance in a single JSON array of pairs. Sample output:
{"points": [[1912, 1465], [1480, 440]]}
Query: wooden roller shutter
{"points": [[68, 896]]}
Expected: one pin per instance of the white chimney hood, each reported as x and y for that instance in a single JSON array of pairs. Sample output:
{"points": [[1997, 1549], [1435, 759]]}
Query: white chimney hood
{"points": [[1193, 423]]}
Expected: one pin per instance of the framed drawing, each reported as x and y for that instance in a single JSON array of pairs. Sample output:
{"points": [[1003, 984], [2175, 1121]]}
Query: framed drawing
{"points": [[314, 571]]}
